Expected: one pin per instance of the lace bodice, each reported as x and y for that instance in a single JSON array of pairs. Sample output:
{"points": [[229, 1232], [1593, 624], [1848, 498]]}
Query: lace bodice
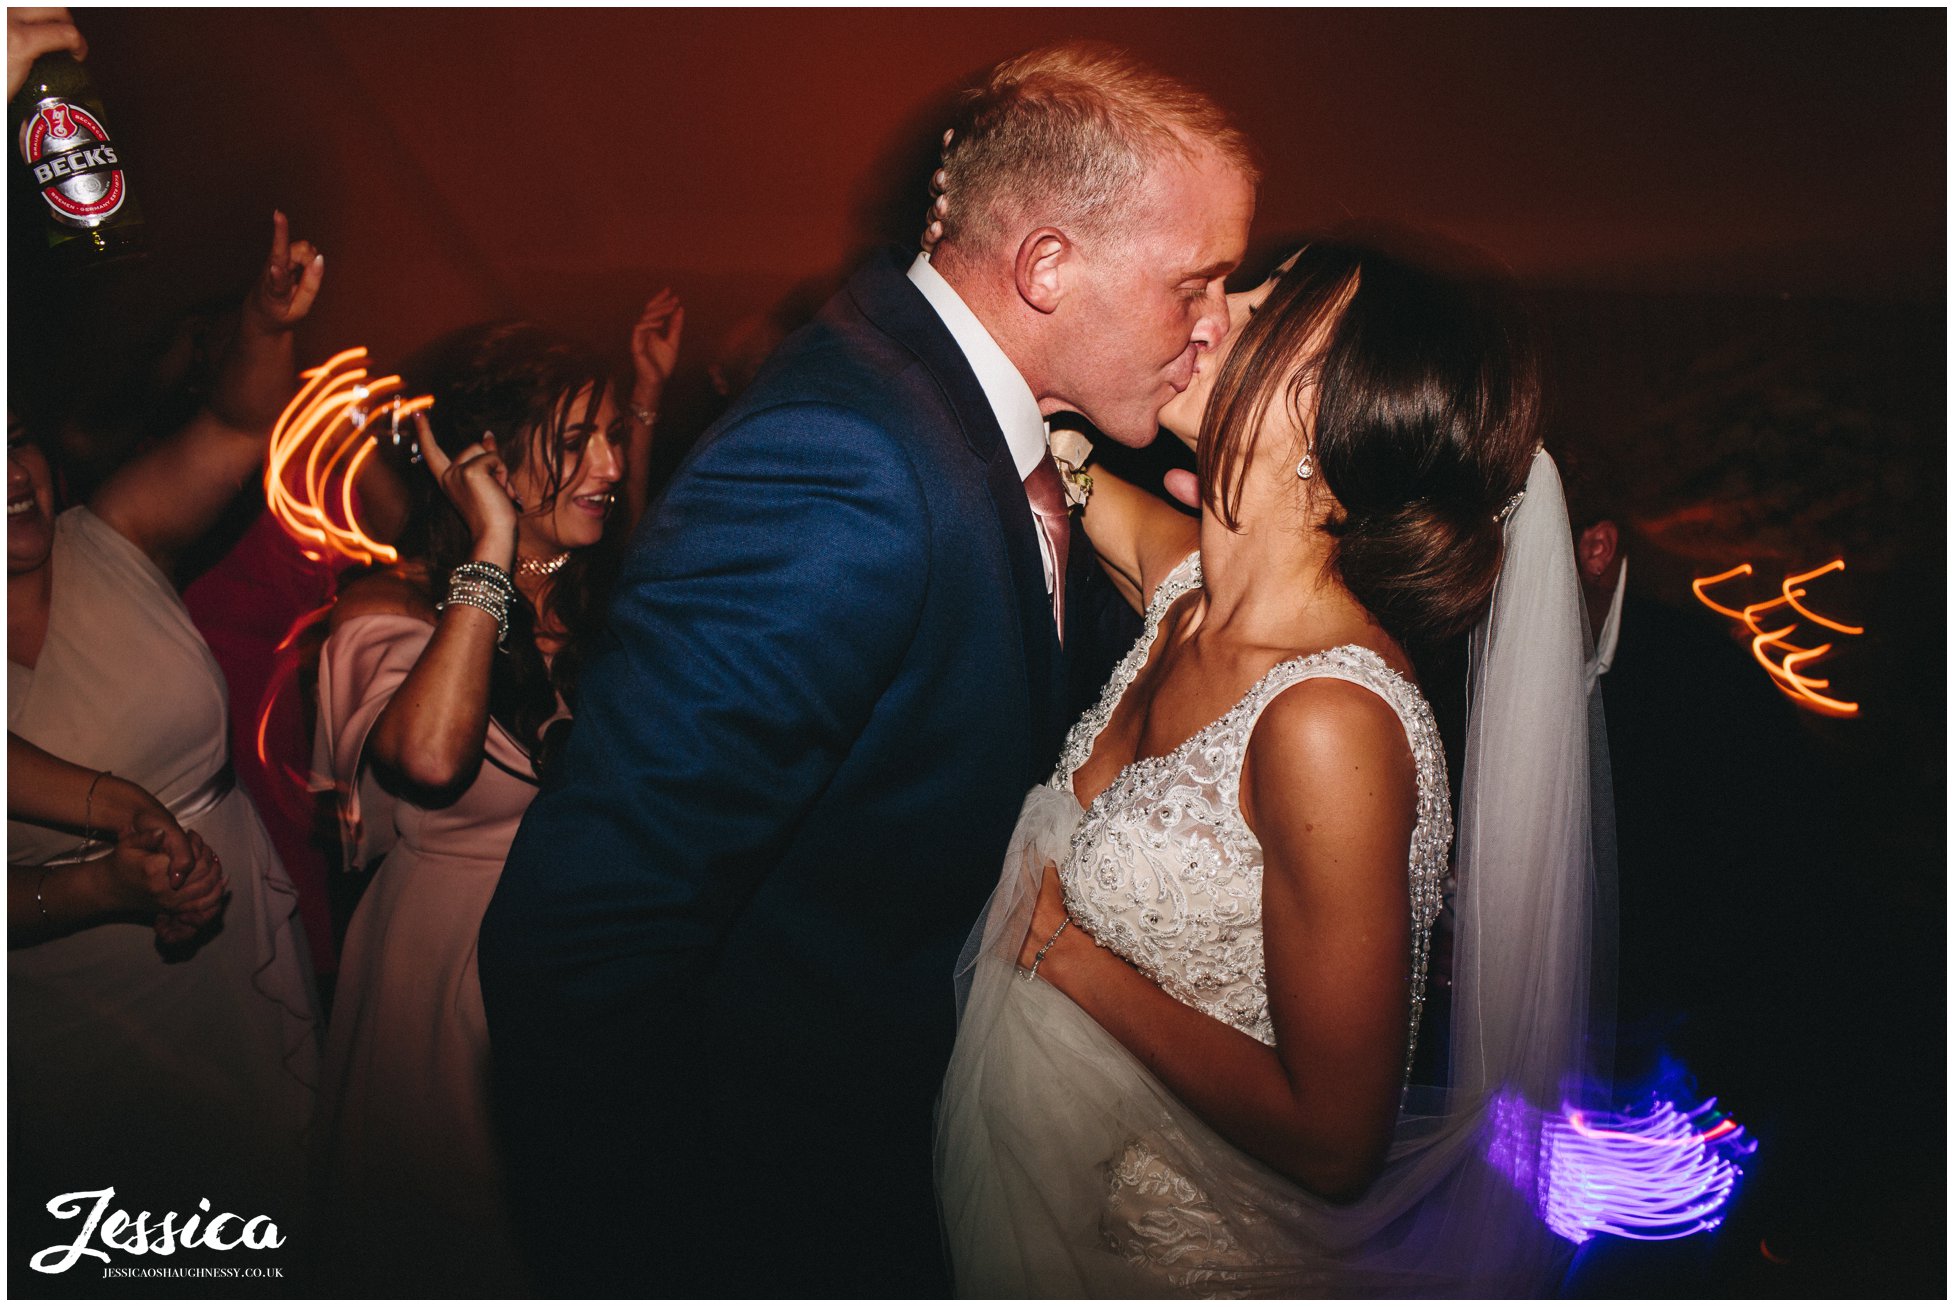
{"points": [[1164, 871]]}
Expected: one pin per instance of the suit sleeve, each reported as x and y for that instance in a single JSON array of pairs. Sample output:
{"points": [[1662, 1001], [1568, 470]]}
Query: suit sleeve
{"points": [[765, 605]]}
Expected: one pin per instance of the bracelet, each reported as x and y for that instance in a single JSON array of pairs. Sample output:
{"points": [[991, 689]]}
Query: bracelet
{"points": [[644, 416], [474, 585], [40, 902], [88, 802], [1040, 956], [88, 839], [488, 574], [472, 599], [486, 587]]}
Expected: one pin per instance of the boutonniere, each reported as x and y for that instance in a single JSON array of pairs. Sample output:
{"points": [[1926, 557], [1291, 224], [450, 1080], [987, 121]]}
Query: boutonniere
{"points": [[1071, 450]]}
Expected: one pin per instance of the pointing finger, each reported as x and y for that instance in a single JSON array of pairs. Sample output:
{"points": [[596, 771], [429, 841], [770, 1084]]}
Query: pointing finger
{"points": [[281, 252], [437, 461]]}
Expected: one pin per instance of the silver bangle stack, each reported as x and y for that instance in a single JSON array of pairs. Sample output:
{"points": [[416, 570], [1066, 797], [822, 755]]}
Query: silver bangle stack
{"points": [[484, 586]]}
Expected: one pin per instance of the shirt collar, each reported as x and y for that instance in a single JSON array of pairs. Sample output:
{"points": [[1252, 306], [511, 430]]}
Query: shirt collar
{"points": [[1004, 386], [1611, 631]]}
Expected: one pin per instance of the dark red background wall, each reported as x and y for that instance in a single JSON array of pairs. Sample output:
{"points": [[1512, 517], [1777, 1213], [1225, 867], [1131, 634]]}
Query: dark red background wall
{"points": [[561, 163], [1736, 219]]}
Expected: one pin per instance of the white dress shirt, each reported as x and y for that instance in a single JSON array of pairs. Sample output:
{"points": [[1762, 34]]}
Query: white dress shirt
{"points": [[1606, 640], [1011, 400]]}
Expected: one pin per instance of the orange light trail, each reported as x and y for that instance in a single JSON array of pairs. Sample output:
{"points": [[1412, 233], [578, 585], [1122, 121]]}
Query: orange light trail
{"points": [[283, 670], [1792, 596], [1784, 672], [1741, 569], [323, 428]]}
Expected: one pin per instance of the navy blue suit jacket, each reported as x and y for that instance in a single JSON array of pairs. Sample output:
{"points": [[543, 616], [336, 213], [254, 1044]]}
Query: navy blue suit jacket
{"points": [[717, 967]]}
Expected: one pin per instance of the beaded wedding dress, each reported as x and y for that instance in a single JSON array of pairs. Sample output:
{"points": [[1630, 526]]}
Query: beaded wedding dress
{"points": [[1066, 1169]]}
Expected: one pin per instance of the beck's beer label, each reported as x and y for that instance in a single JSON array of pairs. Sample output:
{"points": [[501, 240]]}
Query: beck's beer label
{"points": [[66, 150]]}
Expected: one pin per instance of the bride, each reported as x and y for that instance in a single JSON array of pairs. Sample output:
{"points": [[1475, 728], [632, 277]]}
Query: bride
{"points": [[1189, 1014]]}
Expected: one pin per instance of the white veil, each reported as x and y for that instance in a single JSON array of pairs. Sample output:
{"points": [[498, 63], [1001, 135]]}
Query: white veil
{"points": [[1531, 905], [1524, 864], [1040, 1105]]}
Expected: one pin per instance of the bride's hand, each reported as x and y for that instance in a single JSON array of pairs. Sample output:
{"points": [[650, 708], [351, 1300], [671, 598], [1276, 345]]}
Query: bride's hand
{"points": [[1046, 917]]}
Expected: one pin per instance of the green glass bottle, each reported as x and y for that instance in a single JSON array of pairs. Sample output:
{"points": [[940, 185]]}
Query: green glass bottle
{"points": [[73, 186]]}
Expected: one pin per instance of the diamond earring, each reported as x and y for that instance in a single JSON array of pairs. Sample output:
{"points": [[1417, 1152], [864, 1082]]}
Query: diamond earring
{"points": [[1306, 469]]}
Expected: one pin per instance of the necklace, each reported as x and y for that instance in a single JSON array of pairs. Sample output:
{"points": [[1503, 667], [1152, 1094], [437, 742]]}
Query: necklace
{"points": [[541, 566]]}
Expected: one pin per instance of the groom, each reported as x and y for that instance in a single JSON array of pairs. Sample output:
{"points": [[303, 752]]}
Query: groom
{"points": [[717, 968]]}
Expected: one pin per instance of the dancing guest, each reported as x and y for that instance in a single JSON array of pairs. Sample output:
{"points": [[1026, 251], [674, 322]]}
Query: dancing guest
{"points": [[190, 1075], [1189, 1017], [444, 686]]}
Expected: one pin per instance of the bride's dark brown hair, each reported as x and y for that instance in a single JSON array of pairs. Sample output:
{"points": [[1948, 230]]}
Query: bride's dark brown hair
{"points": [[1426, 416]]}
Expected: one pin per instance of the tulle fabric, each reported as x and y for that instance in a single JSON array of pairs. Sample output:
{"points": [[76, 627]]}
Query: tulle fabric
{"points": [[1066, 1169]]}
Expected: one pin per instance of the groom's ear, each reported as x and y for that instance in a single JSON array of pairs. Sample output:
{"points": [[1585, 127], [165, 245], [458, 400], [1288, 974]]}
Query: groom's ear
{"points": [[1045, 259]]}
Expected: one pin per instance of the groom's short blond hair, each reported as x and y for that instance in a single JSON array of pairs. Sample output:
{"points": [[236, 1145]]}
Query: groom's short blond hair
{"points": [[1065, 136]]}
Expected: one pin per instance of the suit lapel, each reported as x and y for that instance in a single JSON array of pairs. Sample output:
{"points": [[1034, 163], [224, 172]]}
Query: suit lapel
{"points": [[887, 298]]}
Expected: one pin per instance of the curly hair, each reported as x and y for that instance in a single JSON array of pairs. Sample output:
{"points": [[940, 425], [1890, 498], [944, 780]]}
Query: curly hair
{"points": [[527, 385]]}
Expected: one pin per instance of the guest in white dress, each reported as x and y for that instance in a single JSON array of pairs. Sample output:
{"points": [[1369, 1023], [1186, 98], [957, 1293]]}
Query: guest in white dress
{"points": [[187, 1071]]}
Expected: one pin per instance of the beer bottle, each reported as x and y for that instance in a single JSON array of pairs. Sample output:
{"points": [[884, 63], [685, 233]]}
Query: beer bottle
{"points": [[75, 192]]}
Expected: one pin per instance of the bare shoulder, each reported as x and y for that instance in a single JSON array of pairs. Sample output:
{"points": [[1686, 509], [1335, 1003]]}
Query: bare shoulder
{"points": [[1317, 721], [1327, 752], [396, 591]]}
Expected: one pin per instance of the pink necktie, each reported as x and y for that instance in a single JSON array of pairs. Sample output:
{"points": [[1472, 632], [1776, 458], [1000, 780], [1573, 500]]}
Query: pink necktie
{"points": [[1047, 496]]}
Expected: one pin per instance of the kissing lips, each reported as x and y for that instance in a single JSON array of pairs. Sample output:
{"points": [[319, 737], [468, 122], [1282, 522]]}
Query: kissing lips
{"points": [[1185, 367]]}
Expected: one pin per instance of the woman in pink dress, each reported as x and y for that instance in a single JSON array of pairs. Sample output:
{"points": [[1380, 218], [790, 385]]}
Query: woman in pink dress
{"points": [[443, 688]]}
